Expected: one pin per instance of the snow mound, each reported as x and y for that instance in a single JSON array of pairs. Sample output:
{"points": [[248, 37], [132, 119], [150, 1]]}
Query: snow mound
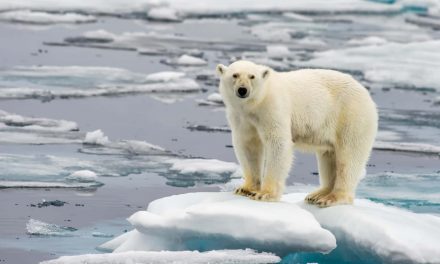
{"points": [[377, 232], [178, 257], [209, 221], [43, 18]]}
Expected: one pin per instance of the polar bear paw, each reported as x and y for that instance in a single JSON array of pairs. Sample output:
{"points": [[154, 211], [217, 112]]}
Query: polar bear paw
{"points": [[243, 191], [316, 195], [264, 196], [334, 198]]}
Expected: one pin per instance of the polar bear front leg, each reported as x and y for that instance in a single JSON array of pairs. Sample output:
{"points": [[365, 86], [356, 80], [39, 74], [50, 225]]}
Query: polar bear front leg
{"points": [[278, 154], [327, 175], [248, 149]]}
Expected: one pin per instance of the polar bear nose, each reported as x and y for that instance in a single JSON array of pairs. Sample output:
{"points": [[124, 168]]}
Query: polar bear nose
{"points": [[242, 92]]}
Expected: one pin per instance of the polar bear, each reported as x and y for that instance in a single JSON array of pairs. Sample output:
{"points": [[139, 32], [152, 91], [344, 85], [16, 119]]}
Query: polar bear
{"points": [[272, 113]]}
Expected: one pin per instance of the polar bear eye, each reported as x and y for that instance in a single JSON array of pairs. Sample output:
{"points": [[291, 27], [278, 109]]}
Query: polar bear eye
{"points": [[251, 76], [235, 75]]}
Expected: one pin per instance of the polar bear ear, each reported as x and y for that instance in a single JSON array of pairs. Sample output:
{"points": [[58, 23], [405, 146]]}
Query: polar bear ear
{"points": [[265, 73], [221, 69]]}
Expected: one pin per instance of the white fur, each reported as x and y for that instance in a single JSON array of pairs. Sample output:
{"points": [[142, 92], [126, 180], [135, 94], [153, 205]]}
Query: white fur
{"points": [[323, 111]]}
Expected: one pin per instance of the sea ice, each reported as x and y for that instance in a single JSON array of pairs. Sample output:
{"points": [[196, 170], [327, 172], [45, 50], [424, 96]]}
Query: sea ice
{"points": [[247, 256], [378, 233], [416, 63], [44, 18], [208, 221], [50, 82], [214, 99]]}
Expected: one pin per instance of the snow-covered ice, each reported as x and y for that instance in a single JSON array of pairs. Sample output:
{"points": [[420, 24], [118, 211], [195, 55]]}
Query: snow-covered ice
{"points": [[377, 232], [178, 257], [44, 18], [209, 221], [40, 228], [213, 99]]}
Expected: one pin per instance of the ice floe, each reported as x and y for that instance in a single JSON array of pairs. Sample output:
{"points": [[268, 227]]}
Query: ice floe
{"points": [[40, 228], [164, 14], [83, 176], [214, 99], [209, 221], [11, 121], [96, 137], [50, 82], [44, 18], [247, 256], [416, 63], [187, 60]]}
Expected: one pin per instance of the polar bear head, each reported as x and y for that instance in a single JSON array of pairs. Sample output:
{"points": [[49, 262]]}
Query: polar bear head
{"points": [[242, 81]]}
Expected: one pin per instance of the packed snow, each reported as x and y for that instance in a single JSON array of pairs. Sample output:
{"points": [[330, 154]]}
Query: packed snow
{"points": [[44, 18], [209, 221], [52, 82], [179, 257]]}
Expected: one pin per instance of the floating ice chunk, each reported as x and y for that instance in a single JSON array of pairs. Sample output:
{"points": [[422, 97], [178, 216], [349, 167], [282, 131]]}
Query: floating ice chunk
{"points": [[214, 99], [36, 227], [32, 123], [412, 64], [83, 176], [43, 18], [377, 232], [164, 14], [99, 234], [42, 184], [277, 51], [209, 128], [247, 256], [165, 76], [96, 137], [50, 82], [209, 221], [210, 167], [437, 100], [298, 17], [187, 60], [407, 147], [371, 40]]}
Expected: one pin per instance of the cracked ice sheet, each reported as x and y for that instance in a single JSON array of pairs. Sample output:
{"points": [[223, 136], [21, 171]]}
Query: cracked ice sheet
{"points": [[181, 257], [54, 82]]}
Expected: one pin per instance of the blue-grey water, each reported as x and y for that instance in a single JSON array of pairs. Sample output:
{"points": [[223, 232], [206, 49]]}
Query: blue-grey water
{"points": [[128, 180]]}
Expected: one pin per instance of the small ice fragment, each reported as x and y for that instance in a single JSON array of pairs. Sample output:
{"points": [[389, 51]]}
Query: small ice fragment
{"points": [[36, 227], [83, 176], [96, 138], [165, 76], [164, 14], [99, 234], [190, 61], [277, 51]]}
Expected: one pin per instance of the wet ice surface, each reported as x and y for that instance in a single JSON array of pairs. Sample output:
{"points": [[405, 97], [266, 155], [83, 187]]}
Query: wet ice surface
{"points": [[108, 113]]}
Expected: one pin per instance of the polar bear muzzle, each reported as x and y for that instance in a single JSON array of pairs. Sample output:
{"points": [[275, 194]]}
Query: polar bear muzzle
{"points": [[242, 92]]}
